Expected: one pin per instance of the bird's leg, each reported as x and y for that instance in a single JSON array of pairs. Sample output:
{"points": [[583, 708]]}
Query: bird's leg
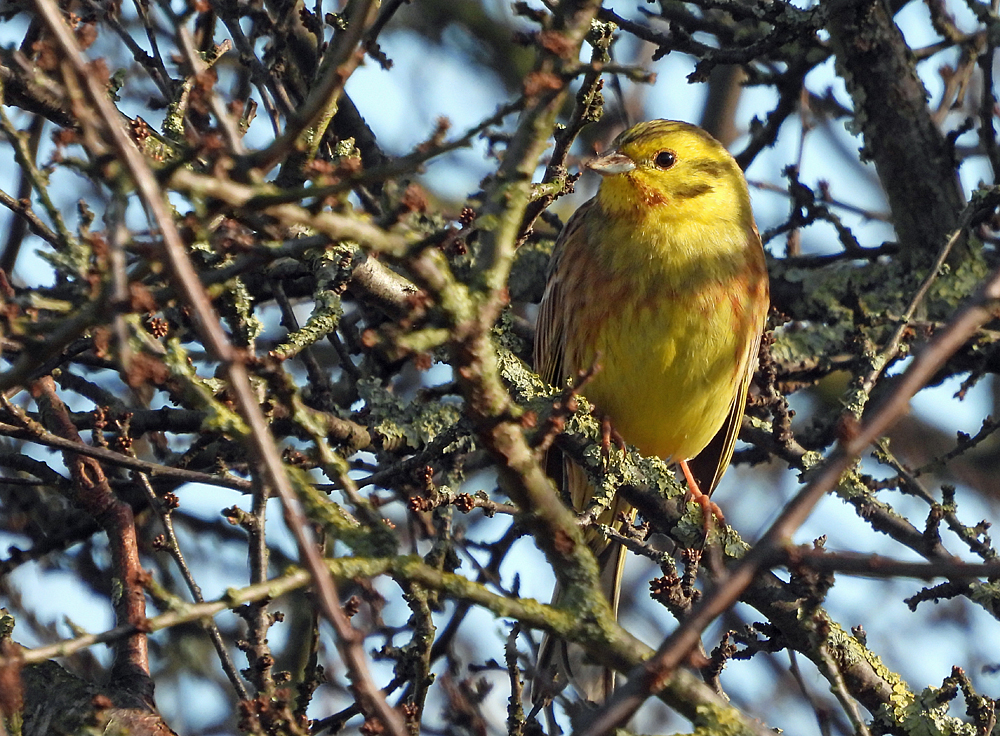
{"points": [[609, 435], [709, 509]]}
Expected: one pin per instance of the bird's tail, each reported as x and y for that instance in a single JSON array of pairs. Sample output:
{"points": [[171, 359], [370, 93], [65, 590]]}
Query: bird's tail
{"points": [[561, 663]]}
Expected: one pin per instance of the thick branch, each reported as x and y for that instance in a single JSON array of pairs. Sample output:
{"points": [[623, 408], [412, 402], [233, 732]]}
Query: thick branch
{"points": [[913, 160]]}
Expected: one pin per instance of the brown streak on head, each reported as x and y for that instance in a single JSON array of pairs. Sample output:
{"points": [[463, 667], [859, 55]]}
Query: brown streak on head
{"points": [[692, 191]]}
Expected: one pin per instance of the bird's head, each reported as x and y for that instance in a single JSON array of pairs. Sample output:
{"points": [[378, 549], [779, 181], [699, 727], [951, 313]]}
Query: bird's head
{"points": [[673, 170]]}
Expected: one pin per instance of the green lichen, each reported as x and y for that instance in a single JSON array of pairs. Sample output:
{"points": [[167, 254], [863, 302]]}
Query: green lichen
{"points": [[426, 340], [238, 309], [48, 304], [7, 623], [851, 486], [173, 120], [986, 594], [156, 148], [719, 720], [957, 283], [336, 521], [926, 715], [733, 546], [658, 476], [527, 273], [412, 424], [327, 311], [800, 343], [525, 385], [200, 393], [346, 149]]}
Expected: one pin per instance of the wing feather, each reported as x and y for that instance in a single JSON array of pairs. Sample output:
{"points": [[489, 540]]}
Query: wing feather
{"points": [[550, 329], [567, 662], [709, 465]]}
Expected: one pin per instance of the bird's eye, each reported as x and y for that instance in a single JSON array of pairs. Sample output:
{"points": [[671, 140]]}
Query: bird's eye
{"points": [[665, 159]]}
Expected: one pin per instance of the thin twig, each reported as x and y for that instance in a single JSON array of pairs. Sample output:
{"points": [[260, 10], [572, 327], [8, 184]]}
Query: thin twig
{"points": [[261, 444], [43, 437], [174, 549], [337, 65]]}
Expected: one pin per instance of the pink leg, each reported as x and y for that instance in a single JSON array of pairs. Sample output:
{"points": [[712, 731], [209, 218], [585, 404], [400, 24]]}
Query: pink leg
{"points": [[709, 509]]}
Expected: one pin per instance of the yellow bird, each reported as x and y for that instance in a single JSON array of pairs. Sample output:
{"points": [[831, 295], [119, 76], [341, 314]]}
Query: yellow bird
{"points": [[660, 282]]}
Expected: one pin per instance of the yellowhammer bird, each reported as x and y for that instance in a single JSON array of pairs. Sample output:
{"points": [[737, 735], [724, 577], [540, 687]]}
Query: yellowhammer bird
{"points": [[660, 281]]}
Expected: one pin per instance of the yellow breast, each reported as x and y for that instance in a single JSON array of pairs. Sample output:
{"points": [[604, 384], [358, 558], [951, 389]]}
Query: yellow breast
{"points": [[670, 330]]}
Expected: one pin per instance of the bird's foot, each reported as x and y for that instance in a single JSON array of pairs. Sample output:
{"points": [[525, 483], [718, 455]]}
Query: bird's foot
{"points": [[709, 509]]}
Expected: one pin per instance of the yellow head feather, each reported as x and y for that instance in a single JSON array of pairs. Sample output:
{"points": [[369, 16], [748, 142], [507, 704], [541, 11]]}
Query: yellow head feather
{"points": [[678, 172]]}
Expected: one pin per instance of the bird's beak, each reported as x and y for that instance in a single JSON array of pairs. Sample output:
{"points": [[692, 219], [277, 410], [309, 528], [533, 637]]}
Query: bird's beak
{"points": [[612, 163]]}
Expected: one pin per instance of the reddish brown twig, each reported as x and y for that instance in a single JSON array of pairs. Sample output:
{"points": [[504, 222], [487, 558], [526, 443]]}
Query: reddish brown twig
{"points": [[92, 493]]}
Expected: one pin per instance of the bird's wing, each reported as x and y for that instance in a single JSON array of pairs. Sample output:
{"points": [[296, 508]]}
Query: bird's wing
{"points": [[708, 466], [567, 662], [550, 329]]}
